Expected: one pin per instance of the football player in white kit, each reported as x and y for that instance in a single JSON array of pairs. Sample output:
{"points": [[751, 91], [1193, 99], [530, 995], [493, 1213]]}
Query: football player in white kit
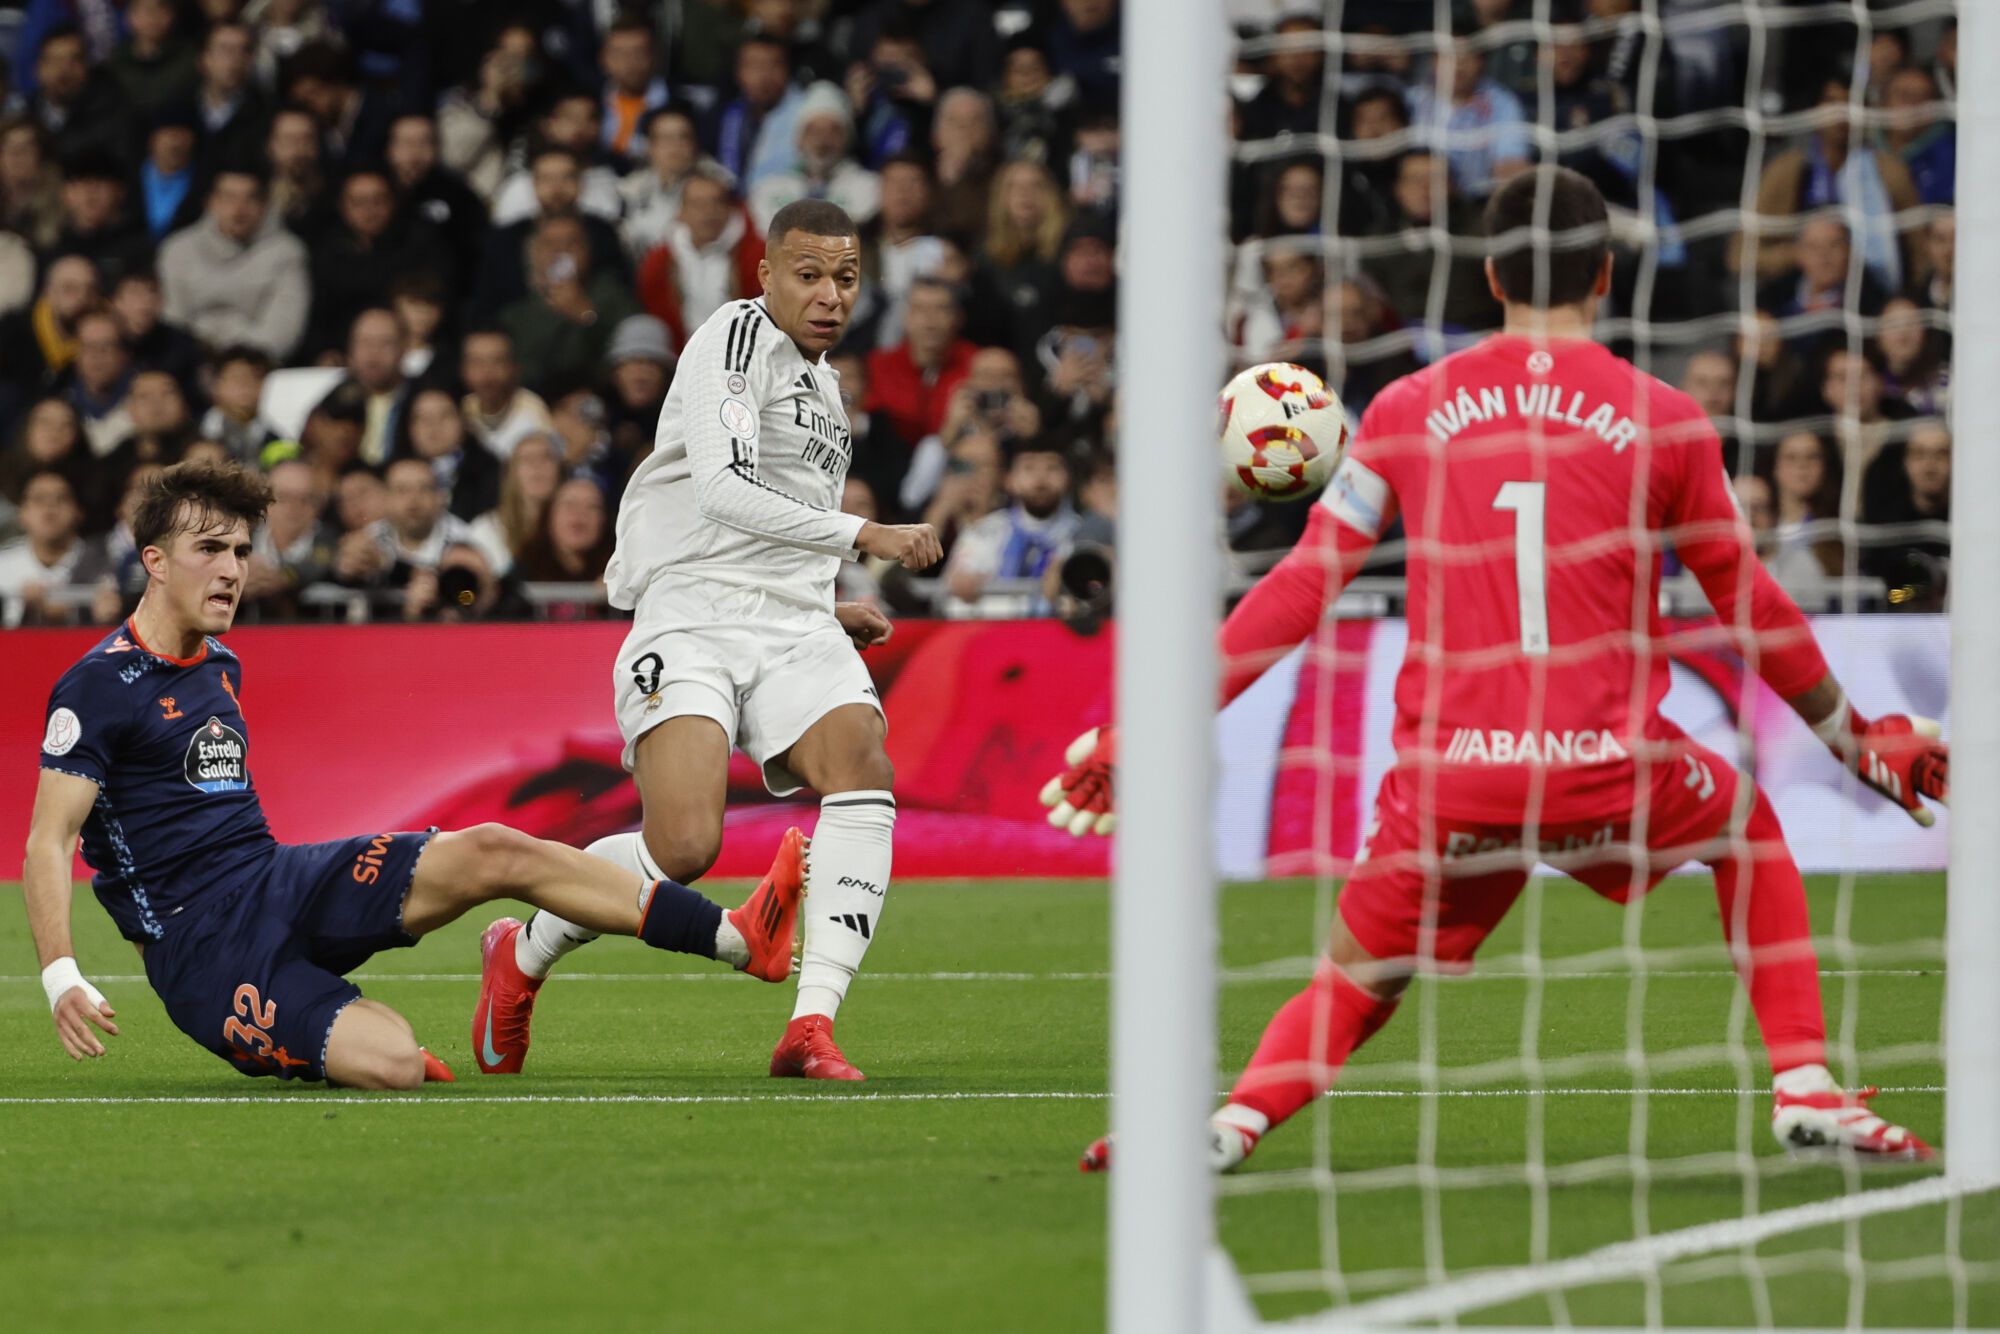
{"points": [[729, 537]]}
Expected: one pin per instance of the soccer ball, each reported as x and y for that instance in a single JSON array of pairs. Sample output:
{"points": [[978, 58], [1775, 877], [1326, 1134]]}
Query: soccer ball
{"points": [[1281, 431]]}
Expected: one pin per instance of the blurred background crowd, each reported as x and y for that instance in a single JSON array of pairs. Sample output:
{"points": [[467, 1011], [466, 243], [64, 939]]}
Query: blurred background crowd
{"points": [[429, 263]]}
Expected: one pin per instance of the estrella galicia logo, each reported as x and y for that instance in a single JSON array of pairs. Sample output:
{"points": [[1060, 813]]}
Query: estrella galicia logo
{"points": [[216, 758]]}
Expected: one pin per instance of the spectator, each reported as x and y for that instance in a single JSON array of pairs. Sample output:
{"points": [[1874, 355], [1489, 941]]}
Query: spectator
{"points": [[411, 535], [293, 548], [791, 23], [96, 223], [1291, 207], [1017, 542], [970, 488], [632, 88], [1864, 422], [375, 344], [755, 134], [475, 124], [991, 399], [298, 185], [1076, 360], [962, 139], [461, 588], [1780, 385], [31, 187], [1294, 84], [1912, 561], [1709, 378], [1033, 104], [896, 248], [562, 327], [1821, 175], [417, 298], [50, 440], [228, 279], [38, 343], [652, 190], [1819, 286], [912, 382], [955, 38], [75, 107], [1478, 125], [284, 27], [881, 456], [571, 123], [1083, 45], [824, 170], [433, 193], [1017, 271], [17, 274], [125, 581], [137, 302], [1514, 64], [50, 556], [361, 498], [353, 117], [159, 431], [891, 93], [367, 247], [1421, 186], [1364, 317], [166, 177], [237, 387], [1933, 291], [1925, 142], [434, 432], [155, 66], [640, 365], [527, 483], [99, 379], [573, 543], [233, 111], [1793, 567], [1805, 496], [1915, 358], [557, 176], [497, 410], [855, 580], [709, 258], [1284, 318], [1093, 162]]}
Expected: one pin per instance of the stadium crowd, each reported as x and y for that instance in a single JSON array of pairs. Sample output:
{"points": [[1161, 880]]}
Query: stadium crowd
{"points": [[429, 264]]}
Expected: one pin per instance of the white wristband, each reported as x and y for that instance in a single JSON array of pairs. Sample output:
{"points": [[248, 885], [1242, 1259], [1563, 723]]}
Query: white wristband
{"points": [[63, 974], [1835, 727]]}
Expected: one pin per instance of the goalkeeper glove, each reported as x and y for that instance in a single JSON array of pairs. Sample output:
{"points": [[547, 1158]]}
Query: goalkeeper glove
{"points": [[1080, 796], [1899, 756]]}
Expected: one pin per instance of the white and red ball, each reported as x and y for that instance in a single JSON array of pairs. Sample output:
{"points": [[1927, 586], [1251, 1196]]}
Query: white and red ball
{"points": [[1282, 431]]}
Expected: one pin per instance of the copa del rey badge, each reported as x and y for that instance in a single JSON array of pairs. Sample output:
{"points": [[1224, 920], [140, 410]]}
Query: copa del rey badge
{"points": [[217, 758]]}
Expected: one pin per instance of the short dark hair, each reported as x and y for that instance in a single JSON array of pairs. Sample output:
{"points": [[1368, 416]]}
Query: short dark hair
{"points": [[631, 20], [242, 167], [814, 217], [1567, 257], [320, 60], [193, 497], [254, 357], [549, 148]]}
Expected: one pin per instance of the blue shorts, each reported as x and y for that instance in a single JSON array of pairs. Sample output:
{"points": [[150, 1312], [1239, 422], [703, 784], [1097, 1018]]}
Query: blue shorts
{"points": [[258, 978]]}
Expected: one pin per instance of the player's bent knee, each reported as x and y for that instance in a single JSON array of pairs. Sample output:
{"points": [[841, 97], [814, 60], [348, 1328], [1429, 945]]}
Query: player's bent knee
{"points": [[501, 859], [684, 854]]}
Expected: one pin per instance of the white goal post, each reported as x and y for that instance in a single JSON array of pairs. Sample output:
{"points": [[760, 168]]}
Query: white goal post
{"points": [[1162, 1273]]}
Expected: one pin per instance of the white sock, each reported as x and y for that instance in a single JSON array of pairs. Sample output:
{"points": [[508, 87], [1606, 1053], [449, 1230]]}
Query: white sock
{"points": [[845, 889], [549, 937], [1804, 1079]]}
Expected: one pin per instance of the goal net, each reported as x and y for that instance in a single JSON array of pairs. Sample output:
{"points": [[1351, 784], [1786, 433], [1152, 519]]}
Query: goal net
{"points": [[1577, 1129]]}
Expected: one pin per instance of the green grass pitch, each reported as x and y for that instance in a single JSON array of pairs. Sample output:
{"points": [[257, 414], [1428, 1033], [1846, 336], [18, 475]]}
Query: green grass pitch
{"points": [[695, 1193]]}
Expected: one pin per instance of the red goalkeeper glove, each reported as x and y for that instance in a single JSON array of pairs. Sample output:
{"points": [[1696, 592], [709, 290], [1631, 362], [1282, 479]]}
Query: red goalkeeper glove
{"points": [[1899, 756], [1080, 796]]}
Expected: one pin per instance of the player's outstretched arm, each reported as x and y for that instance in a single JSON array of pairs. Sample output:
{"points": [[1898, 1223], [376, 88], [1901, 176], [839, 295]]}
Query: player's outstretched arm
{"points": [[1898, 756], [62, 804], [1273, 618]]}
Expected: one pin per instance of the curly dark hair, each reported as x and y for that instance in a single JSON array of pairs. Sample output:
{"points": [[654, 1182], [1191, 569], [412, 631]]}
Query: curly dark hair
{"points": [[195, 497]]}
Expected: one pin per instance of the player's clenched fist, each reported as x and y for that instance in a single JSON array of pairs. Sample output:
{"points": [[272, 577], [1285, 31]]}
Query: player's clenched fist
{"points": [[1080, 796], [1900, 757], [914, 546]]}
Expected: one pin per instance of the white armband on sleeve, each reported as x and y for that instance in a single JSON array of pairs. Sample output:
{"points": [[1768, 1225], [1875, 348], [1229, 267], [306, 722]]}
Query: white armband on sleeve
{"points": [[1358, 497], [63, 974]]}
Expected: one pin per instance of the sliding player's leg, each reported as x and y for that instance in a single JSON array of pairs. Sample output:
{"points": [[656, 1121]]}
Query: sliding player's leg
{"points": [[370, 1046], [842, 757]]}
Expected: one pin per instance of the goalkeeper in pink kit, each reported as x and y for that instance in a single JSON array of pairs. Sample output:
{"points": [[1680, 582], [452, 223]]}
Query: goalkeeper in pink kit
{"points": [[1540, 478]]}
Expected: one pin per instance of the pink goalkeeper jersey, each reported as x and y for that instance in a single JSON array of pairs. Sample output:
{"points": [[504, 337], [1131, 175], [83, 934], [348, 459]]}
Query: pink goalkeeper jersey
{"points": [[1539, 483]]}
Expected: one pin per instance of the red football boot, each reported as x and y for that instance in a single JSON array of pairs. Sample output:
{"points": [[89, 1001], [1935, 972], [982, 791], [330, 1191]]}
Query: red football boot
{"points": [[1096, 1158], [807, 1051], [436, 1071], [1837, 1120], [769, 918], [506, 1002]]}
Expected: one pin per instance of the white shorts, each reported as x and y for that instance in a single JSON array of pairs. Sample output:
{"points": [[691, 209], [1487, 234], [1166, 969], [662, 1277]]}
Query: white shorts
{"points": [[765, 669]]}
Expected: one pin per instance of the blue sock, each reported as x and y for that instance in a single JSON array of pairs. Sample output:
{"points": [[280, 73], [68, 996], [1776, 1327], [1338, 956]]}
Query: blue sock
{"points": [[676, 918]]}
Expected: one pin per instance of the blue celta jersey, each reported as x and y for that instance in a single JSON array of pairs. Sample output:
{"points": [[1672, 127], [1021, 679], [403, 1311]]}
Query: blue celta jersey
{"points": [[177, 818]]}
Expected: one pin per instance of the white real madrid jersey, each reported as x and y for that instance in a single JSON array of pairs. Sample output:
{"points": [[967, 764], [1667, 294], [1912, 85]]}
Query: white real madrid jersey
{"points": [[743, 484]]}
